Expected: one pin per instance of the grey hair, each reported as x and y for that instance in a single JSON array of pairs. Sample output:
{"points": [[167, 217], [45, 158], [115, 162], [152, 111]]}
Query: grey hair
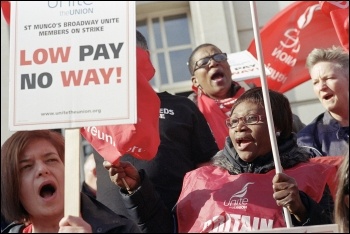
{"points": [[334, 54]]}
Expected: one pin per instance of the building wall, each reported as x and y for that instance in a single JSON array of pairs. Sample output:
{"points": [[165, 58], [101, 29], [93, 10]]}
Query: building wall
{"points": [[227, 24]]}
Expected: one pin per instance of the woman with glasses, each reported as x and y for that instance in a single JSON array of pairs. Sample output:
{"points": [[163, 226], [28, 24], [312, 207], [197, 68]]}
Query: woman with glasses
{"points": [[214, 91], [241, 190]]}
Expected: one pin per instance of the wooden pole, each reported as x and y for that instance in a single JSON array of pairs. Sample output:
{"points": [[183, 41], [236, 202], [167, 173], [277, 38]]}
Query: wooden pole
{"points": [[72, 172]]}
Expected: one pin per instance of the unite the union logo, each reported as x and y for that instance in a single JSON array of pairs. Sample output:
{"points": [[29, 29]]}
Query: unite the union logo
{"points": [[237, 200]]}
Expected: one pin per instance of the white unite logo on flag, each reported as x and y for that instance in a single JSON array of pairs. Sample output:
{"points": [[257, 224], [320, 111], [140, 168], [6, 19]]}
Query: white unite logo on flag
{"points": [[237, 200]]}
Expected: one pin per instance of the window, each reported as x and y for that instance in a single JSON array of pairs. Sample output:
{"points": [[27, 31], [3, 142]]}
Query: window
{"points": [[170, 44]]}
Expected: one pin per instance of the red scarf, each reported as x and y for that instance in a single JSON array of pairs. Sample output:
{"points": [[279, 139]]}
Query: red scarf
{"points": [[28, 229], [216, 112]]}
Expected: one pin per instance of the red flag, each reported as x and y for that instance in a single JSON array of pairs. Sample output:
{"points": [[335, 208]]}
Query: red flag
{"points": [[5, 7], [331, 160], [339, 13], [288, 38], [140, 140]]}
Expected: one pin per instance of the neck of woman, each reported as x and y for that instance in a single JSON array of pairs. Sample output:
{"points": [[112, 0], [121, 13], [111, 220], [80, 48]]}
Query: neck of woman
{"points": [[46, 224]]}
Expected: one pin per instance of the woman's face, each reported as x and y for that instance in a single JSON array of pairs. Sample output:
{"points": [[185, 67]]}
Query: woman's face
{"points": [[250, 140], [41, 180], [331, 86], [215, 78]]}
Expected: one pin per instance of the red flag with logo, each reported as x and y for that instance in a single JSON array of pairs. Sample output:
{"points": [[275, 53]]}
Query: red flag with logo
{"points": [[233, 203], [288, 38], [140, 140]]}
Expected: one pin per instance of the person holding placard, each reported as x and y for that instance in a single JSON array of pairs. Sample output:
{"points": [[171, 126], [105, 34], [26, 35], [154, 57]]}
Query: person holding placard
{"points": [[241, 191], [32, 190]]}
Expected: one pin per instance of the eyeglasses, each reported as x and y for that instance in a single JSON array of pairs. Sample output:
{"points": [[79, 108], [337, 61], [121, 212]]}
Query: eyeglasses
{"points": [[205, 61], [248, 119]]}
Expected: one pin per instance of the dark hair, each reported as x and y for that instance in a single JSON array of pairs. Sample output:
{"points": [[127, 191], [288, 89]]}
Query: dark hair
{"points": [[280, 108], [341, 211], [141, 40], [13, 147], [190, 62]]}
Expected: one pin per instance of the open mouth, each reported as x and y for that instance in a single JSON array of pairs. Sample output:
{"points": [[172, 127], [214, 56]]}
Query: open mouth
{"points": [[217, 75], [47, 190], [241, 141], [327, 97]]}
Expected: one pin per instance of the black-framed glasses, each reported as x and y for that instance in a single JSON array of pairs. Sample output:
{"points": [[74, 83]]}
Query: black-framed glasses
{"points": [[248, 119], [203, 62]]}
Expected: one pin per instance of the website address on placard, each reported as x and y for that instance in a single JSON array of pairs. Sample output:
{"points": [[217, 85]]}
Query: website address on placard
{"points": [[71, 112]]}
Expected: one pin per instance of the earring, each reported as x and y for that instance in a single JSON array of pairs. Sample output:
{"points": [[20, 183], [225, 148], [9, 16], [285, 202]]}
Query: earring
{"points": [[278, 133]]}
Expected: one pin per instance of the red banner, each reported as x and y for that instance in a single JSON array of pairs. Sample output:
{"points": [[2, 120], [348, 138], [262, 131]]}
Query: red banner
{"points": [[140, 140], [5, 7], [288, 38], [338, 11]]}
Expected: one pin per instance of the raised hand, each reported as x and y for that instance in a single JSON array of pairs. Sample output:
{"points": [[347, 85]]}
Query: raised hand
{"points": [[123, 175], [73, 224]]}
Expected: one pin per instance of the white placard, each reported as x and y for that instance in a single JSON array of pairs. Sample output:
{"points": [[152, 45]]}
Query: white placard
{"points": [[244, 66], [72, 64], [326, 228]]}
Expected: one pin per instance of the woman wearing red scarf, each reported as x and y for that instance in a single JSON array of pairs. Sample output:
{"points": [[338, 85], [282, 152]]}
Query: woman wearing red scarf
{"points": [[214, 90]]}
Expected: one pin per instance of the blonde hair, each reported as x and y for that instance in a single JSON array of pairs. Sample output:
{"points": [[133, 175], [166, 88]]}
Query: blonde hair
{"points": [[334, 54]]}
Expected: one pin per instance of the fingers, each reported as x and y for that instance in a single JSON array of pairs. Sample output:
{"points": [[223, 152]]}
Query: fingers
{"points": [[281, 177], [124, 174], [73, 224], [282, 181], [120, 164], [107, 164], [286, 192]]}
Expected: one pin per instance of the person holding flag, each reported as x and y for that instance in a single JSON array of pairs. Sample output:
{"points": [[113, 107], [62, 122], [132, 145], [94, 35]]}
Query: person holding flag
{"points": [[240, 191], [186, 143]]}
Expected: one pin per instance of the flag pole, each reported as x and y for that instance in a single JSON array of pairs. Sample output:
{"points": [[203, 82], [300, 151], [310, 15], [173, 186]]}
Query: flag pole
{"points": [[267, 103]]}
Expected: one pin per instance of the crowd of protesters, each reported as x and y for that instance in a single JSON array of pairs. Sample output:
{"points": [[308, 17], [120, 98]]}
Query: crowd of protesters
{"points": [[215, 169]]}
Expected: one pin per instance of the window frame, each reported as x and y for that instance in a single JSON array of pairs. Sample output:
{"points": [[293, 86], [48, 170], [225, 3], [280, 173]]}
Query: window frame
{"points": [[172, 86]]}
